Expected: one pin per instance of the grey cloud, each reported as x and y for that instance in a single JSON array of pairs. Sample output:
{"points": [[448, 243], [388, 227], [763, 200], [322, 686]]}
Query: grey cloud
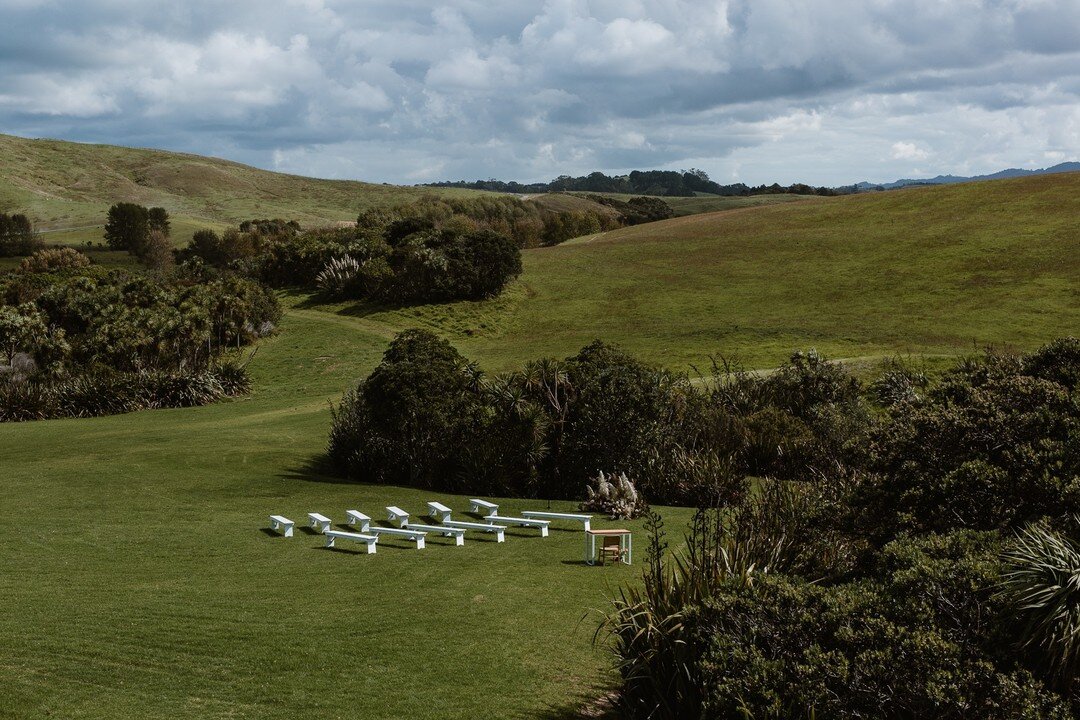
{"points": [[411, 91]]}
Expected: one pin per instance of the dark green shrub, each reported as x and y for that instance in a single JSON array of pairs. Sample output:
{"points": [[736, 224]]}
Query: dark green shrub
{"points": [[17, 235], [410, 421]]}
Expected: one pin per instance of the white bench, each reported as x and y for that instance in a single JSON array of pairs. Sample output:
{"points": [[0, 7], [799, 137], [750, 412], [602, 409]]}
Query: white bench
{"points": [[524, 522], [457, 533], [586, 519], [415, 535], [438, 510], [397, 516], [368, 540], [356, 517], [483, 507], [499, 530], [320, 521], [280, 522]]}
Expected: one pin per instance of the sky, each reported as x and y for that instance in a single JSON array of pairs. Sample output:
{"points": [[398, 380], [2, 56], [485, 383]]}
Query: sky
{"points": [[827, 92]]}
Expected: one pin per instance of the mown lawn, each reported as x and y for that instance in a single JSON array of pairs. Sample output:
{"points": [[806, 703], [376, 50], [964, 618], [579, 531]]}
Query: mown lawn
{"points": [[138, 581]]}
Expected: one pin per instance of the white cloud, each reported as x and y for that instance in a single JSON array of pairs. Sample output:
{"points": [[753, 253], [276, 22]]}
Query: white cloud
{"points": [[908, 151]]}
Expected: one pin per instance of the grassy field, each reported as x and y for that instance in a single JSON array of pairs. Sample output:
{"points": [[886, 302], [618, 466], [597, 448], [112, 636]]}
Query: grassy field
{"points": [[69, 186], [700, 203], [137, 581], [929, 271]]}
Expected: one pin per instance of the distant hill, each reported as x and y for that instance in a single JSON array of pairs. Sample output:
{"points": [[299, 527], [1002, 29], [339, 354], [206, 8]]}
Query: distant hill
{"points": [[68, 187], [930, 271], [948, 179]]}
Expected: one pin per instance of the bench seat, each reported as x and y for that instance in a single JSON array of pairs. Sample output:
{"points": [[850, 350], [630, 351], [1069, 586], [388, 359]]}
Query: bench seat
{"points": [[369, 540], [499, 530], [415, 535], [320, 521], [282, 523], [457, 533], [524, 522], [483, 507], [545, 515], [438, 510], [358, 518], [397, 516]]}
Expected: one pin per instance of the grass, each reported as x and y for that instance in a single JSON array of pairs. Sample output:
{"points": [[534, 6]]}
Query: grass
{"points": [[701, 203], [925, 272], [137, 581]]}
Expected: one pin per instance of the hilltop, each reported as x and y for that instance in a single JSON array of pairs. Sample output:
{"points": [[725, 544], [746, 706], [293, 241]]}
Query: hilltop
{"points": [[68, 186], [937, 270]]}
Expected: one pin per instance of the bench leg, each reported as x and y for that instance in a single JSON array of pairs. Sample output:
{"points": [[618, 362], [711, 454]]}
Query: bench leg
{"points": [[288, 530], [587, 525], [500, 536], [370, 548], [419, 543], [543, 531], [330, 540], [459, 539]]}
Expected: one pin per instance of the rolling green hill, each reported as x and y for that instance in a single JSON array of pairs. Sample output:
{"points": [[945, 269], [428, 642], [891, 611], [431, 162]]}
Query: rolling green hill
{"points": [[941, 270], [67, 188]]}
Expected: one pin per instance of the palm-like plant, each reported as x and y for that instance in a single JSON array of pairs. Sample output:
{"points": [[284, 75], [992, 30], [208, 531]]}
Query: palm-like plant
{"points": [[1041, 583]]}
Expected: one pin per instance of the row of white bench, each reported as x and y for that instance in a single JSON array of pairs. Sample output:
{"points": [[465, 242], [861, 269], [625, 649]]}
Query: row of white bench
{"points": [[369, 534]]}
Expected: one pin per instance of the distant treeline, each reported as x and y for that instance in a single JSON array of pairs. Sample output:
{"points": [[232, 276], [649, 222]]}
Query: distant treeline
{"points": [[663, 183]]}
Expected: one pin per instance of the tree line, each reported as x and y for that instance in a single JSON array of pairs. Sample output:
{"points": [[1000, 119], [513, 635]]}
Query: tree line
{"points": [[669, 183]]}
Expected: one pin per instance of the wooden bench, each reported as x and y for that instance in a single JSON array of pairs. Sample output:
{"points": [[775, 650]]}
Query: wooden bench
{"points": [[358, 518], [320, 521], [483, 507], [415, 535], [439, 511], [499, 530], [457, 533], [544, 515], [280, 522], [524, 522], [368, 540], [397, 516]]}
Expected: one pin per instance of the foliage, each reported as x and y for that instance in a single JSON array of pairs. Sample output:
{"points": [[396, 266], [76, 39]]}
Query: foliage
{"points": [[103, 391], [91, 333], [1041, 584], [615, 497], [157, 218], [127, 227], [338, 276], [53, 259], [668, 183], [17, 235], [991, 446], [411, 420]]}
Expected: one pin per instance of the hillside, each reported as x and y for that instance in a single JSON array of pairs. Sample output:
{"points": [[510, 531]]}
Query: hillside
{"points": [[69, 186], [939, 270]]}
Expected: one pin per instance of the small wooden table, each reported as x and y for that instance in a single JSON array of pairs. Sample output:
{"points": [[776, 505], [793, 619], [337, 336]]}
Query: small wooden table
{"points": [[626, 544]]}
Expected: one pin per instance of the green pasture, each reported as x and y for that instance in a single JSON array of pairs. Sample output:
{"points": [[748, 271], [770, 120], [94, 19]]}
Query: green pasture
{"points": [[138, 580], [929, 272]]}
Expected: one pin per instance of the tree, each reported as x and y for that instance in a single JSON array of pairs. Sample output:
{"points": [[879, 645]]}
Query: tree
{"points": [[157, 253], [16, 235], [127, 227], [158, 220]]}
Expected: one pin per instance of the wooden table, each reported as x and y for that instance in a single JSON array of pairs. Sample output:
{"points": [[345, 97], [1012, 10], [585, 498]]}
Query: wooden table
{"points": [[626, 544]]}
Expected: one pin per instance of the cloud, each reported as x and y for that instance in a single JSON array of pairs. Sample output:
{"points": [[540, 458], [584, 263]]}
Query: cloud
{"points": [[762, 90], [908, 151]]}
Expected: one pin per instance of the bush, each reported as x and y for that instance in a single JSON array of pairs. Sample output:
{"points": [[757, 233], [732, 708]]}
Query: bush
{"points": [[54, 259], [411, 420], [990, 447], [617, 498]]}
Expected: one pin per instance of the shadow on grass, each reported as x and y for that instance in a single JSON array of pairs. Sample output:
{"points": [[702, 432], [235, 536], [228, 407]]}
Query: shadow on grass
{"points": [[271, 532], [316, 469], [358, 308], [601, 708]]}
